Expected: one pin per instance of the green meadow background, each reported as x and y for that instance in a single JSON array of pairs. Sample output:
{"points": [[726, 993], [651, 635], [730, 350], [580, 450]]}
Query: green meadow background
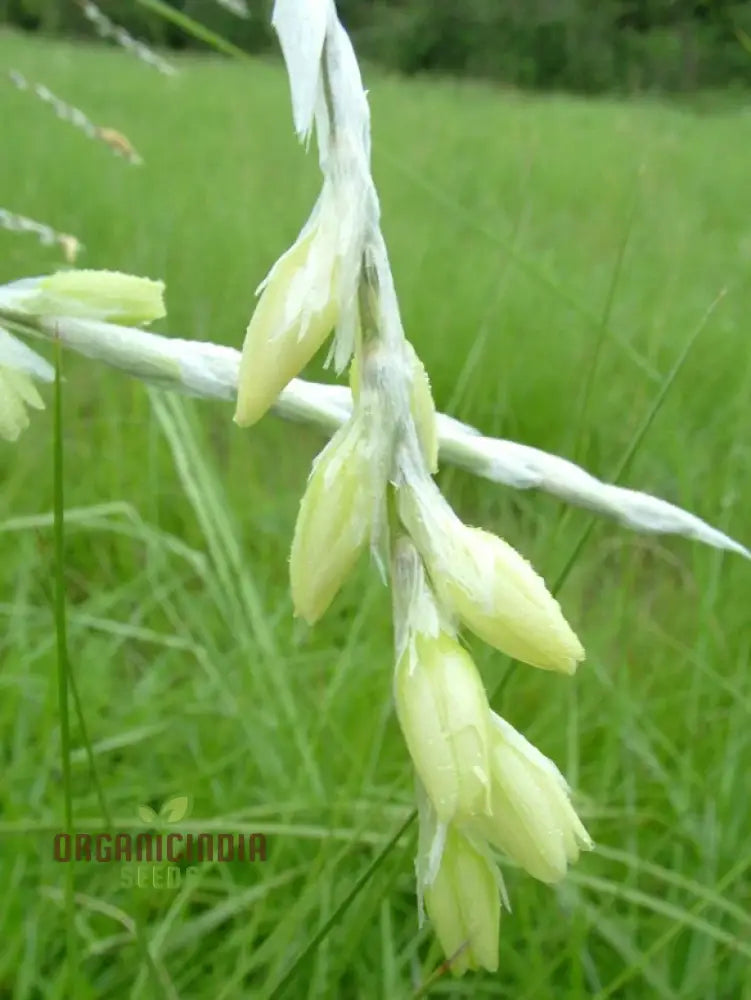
{"points": [[553, 256]]}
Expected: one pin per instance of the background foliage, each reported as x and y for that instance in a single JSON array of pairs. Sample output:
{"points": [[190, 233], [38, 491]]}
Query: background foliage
{"points": [[581, 45], [537, 240]]}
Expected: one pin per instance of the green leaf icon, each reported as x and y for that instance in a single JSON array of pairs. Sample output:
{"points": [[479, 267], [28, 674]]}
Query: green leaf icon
{"points": [[147, 815], [175, 809]]}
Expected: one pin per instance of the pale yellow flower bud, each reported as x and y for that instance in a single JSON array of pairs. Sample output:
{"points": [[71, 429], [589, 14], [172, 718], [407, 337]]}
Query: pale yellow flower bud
{"points": [[17, 391], [295, 314], [443, 712], [463, 903], [18, 365], [490, 586], [101, 295], [497, 594], [333, 522], [533, 821]]}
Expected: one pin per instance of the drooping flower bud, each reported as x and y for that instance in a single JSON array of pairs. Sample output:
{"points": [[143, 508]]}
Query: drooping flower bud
{"points": [[110, 296], [295, 314], [333, 523], [490, 586], [443, 711], [18, 363], [533, 821], [440, 699], [459, 887], [17, 391]]}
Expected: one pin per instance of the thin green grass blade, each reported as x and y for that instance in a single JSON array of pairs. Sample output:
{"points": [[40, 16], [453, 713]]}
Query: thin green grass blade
{"points": [[61, 636], [66, 683], [602, 331], [526, 264], [640, 433], [708, 896], [88, 752], [621, 468], [279, 988], [618, 938], [194, 28], [676, 926], [657, 904], [239, 592], [98, 788]]}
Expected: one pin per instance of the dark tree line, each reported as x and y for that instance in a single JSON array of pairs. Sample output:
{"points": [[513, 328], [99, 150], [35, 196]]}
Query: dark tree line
{"points": [[581, 45]]}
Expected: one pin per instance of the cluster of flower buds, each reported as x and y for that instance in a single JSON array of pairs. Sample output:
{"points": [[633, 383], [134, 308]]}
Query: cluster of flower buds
{"points": [[479, 782]]}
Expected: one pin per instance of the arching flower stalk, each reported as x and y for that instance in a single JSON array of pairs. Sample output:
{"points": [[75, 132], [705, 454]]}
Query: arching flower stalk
{"points": [[210, 371]]}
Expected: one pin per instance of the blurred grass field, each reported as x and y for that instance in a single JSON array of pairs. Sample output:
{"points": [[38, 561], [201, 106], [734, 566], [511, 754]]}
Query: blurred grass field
{"points": [[532, 238]]}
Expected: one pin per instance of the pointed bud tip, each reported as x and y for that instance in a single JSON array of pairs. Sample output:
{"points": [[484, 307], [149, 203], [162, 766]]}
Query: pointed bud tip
{"points": [[569, 665], [245, 416], [310, 615]]}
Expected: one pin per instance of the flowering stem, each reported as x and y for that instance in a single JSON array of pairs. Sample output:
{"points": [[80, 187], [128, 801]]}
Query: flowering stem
{"points": [[194, 28], [210, 371]]}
